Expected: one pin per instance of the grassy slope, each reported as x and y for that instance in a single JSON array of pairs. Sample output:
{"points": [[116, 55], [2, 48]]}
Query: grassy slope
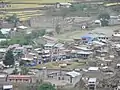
{"points": [[71, 35]]}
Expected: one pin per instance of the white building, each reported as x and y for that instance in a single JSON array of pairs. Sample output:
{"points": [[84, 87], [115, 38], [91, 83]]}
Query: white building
{"points": [[92, 83]]}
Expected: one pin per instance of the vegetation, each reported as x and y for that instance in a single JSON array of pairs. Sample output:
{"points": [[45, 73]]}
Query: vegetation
{"points": [[46, 86], [81, 7], [57, 29], [24, 70], [1, 35], [37, 33], [24, 39], [104, 18], [9, 58], [13, 19], [15, 71]]}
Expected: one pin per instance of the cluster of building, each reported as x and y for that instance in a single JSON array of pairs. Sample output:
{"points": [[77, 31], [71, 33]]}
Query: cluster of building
{"points": [[98, 48]]}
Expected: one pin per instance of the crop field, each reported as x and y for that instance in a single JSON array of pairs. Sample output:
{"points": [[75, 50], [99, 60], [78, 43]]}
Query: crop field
{"points": [[21, 4], [22, 15], [37, 1]]}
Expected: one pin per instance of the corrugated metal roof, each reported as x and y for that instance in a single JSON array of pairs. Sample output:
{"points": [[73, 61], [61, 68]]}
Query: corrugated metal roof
{"points": [[73, 74]]}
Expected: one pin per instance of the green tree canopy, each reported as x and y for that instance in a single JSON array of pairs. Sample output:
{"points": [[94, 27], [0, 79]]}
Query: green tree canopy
{"points": [[13, 19], [1, 35], [24, 70], [9, 58], [46, 86], [57, 29], [18, 40], [104, 18]]}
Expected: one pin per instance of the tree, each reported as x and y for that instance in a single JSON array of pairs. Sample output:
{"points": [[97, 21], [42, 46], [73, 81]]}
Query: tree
{"points": [[24, 70], [46, 86], [1, 35], [57, 29], [13, 19], [35, 34], [18, 40], [4, 43], [9, 58], [104, 18], [15, 71]]}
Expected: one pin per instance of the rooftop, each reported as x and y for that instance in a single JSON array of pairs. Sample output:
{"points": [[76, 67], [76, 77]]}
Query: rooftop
{"points": [[73, 74], [93, 68], [92, 80], [49, 44], [3, 50]]}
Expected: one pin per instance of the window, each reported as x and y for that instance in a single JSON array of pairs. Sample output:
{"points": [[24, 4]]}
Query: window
{"points": [[16, 80]]}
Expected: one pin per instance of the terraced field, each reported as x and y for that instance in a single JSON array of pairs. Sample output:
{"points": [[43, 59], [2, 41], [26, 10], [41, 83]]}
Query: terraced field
{"points": [[37, 1], [22, 6], [22, 15]]}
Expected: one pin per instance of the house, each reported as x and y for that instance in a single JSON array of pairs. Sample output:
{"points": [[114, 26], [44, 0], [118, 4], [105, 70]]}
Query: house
{"points": [[49, 46], [46, 55], [71, 77], [19, 78], [93, 69], [5, 31], [18, 50], [49, 39], [116, 37], [2, 52], [94, 37], [28, 47], [83, 54], [22, 27], [92, 82], [74, 77], [64, 5], [58, 48], [3, 77], [7, 87]]}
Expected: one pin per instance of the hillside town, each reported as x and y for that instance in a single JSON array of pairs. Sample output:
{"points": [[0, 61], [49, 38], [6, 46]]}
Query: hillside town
{"points": [[64, 46]]}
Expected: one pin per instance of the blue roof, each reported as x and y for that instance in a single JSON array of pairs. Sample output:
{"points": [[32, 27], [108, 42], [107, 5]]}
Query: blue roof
{"points": [[89, 36]]}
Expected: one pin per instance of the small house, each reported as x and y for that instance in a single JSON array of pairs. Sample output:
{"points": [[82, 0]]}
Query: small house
{"points": [[19, 78], [74, 77], [94, 37], [49, 46], [7, 87], [64, 5], [92, 83]]}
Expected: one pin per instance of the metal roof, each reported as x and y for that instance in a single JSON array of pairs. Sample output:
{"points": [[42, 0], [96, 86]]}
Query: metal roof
{"points": [[92, 80], [49, 44], [73, 74], [93, 68]]}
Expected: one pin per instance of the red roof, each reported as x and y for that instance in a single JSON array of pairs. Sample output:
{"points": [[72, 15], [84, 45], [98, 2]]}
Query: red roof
{"points": [[19, 76]]}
